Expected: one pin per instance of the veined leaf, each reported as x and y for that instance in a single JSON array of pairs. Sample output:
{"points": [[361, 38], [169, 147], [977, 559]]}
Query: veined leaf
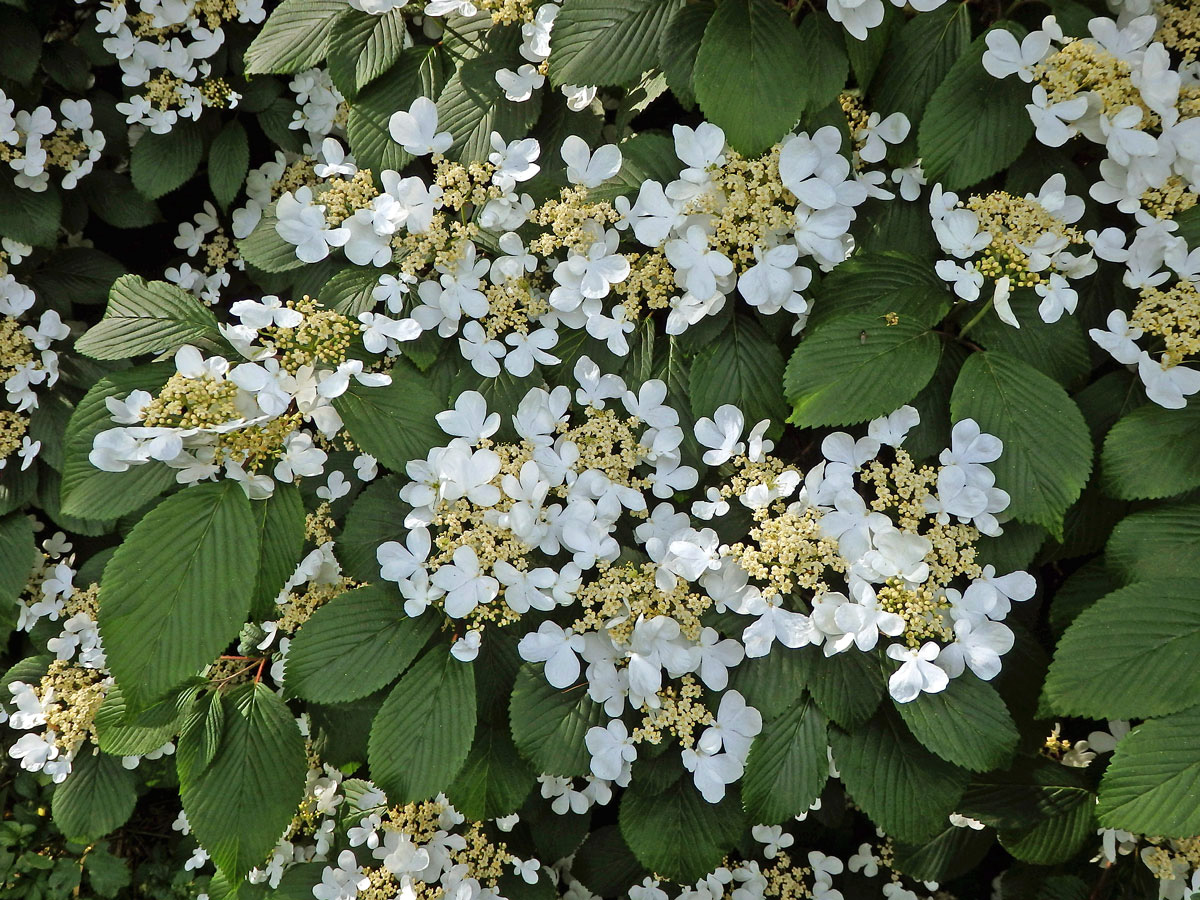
{"points": [[148, 317], [787, 767], [240, 804], [424, 731], [1130, 655], [1150, 786], [176, 592], [1047, 451], [354, 645]]}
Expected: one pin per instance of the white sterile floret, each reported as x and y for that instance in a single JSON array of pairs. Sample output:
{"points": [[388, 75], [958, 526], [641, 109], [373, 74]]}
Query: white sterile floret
{"points": [[587, 167], [612, 751], [416, 130], [519, 86], [918, 672], [1006, 56]]}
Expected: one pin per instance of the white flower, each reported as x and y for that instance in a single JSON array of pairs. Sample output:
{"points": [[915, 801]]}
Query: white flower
{"points": [[722, 433], [978, 646], [528, 869], [894, 427], [918, 672], [774, 837], [1005, 56], [416, 130], [736, 727], [381, 333], [1168, 386], [579, 97], [611, 750], [302, 223], [399, 854], [588, 168], [879, 132], [712, 772], [465, 587], [514, 162], [557, 648], [519, 85], [342, 882], [469, 419], [1052, 121], [300, 458]]}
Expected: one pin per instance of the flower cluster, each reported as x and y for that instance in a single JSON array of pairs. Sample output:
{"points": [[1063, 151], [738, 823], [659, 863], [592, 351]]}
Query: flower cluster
{"points": [[164, 48], [26, 360], [33, 143], [499, 532], [726, 223], [273, 410], [1120, 89], [1014, 242], [423, 850]]}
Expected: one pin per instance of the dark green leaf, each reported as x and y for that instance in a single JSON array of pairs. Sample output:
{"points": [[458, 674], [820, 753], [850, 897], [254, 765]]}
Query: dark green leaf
{"points": [[354, 645]]}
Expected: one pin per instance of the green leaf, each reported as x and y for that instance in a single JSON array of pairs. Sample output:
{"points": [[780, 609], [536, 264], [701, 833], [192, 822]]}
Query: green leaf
{"points": [[18, 553], [608, 41], [362, 47], [240, 804], [228, 162], [772, 684], [115, 200], [349, 291], [148, 317], [367, 128], [918, 60], [953, 852], [825, 60], [176, 592], [294, 38], [31, 217], [495, 780], [1057, 349], [76, 275], [1149, 543], [264, 249], [120, 734], [1134, 464], [679, 46], [1131, 654], [857, 367], [87, 492], [376, 516], [787, 767], [905, 789], [108, 874], [1151, 784], [159, 163], [1042, 810], [396, 422], [424, 731], [280, 522], [975, 124], [966, 724], [473, 105], [200, 736], [354, 645], [97, 797], [1047, 451], [549, 725], [22, 46], [755, 39], [677, 833], [605, 863], [744, 368], [846, 686], [878, 283]]}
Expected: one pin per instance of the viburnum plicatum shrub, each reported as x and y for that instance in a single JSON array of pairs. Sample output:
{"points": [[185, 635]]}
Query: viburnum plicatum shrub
{"points": [[649, 449]]}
